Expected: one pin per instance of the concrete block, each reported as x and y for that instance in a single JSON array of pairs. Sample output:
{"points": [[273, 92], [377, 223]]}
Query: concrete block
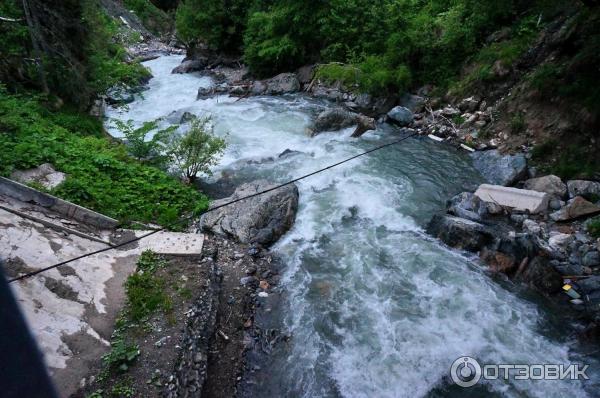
{"points": [[172, 243], [518, 199]]}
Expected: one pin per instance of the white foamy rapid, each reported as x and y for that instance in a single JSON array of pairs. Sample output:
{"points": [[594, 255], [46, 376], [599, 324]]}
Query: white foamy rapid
{"points": [[375, 308]]}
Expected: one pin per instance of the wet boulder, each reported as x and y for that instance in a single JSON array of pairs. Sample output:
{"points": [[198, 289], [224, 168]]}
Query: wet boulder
{"points": [[261, 219], [119, 96], [401, 116], [413, 103], [466, 205], [284, 83], [339, 118], [460, 233], [500, 169], [190, 65]]}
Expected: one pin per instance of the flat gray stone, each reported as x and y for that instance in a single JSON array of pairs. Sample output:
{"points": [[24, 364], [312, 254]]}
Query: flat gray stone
{"points": [[518, 199]]}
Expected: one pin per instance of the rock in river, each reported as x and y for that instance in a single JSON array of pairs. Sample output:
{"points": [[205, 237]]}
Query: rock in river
{"points": [[338, 118], [500, 169], [262, 219], [459, 232], [190, 65]]}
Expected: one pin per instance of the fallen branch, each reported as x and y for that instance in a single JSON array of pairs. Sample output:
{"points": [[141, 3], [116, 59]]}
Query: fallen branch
{"points": [[6, 19]]}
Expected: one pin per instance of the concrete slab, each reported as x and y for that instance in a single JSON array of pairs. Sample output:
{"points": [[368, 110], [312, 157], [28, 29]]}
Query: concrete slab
{"points": [[71, 310], [173, 243], [519, 199]]}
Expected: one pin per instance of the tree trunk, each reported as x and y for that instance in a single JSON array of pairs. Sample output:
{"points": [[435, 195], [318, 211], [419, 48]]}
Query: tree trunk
{"points": [[35, 34]]}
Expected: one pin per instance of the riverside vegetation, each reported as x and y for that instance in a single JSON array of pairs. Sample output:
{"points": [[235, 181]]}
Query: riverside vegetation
{"points": [[51, 70]]}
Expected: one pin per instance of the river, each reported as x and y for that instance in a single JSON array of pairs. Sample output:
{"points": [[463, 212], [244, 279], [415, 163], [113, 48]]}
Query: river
{"points": [[374, 307]]}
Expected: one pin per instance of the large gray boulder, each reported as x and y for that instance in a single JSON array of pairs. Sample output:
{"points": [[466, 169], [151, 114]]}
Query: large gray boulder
{"points": [[500, 169], [401, 116], [413, 103], [190, 65], [261, 219], [549, 184], [339, 118], [467, 205], [284, 83], [588, 189], [460, 233]]}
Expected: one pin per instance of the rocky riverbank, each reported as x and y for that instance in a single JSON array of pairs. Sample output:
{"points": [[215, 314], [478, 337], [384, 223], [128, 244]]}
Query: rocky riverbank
{"points": [[547, 246]]}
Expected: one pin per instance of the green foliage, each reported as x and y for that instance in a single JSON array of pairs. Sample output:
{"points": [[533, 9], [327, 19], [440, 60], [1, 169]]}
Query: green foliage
{"points": [[196, 150], [145, 295], [144, 149], [121, 356], [150, 261], [101, 174], [80, 58], [153, 18], [270, 44], [593, 227], [146, 291], [373, 75], [571, 161], [106, 57], [123, 389], [218, 23]]}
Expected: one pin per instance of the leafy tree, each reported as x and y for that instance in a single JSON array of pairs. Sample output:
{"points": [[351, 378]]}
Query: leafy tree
{"points": [[139, 146], [197, 150], [217, 23]]}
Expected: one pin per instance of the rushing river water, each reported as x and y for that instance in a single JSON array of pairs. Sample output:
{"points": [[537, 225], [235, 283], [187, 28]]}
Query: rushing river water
{"points": [[374, 306]]}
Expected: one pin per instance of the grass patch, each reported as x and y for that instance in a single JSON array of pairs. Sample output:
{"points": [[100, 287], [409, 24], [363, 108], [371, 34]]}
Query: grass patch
{"points": [[505, 52], [101, 174], [517, 124], [372, 75], [566, 162], [145, 295]]}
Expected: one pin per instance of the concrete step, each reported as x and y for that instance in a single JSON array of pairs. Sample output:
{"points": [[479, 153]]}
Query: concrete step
{"points": [[518, 199]]}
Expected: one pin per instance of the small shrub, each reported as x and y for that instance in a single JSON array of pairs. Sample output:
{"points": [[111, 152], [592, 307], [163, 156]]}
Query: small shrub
{"points": [[121, 356], [197, 150], [139, 146]]}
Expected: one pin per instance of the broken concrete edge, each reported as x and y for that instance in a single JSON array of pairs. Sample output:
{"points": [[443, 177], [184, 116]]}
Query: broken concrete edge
{"points": [[54, 225], [27, 194], [519, 199]]}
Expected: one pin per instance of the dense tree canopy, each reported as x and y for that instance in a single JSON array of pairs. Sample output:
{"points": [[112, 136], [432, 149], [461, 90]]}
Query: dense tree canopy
{"points": [[391, 41]]}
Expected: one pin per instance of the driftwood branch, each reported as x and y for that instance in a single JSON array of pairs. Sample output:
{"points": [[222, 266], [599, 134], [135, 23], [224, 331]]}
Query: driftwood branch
{"points": [[5, 19]]}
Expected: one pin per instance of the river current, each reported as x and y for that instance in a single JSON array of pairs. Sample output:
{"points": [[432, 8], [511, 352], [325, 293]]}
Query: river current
{"points": [[374, 307]]}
